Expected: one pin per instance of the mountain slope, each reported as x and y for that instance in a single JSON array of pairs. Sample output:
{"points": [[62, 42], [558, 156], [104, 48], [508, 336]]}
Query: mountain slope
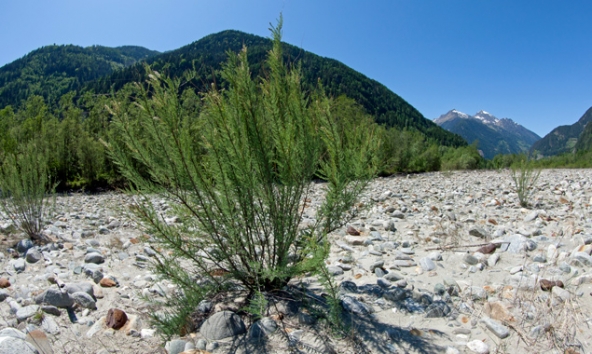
{"points": [[54, 70], [563, 138], [494, 135], [207, 55]]}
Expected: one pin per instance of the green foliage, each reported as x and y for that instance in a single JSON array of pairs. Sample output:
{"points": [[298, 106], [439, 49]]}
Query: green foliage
{"points": [[561, 139], [524, 177], [24, 186], [52, 71], [462, 158], [207, 56], [237, 173]]}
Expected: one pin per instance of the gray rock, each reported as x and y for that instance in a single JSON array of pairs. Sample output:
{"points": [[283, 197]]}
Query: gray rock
{"points": [[49, 325], [583, 258], [201, 344], [398, 214], [212, 346], [205, 306], [12, 332], [94, 257], [497, 328], [439, 289], [383, 283], [24, 245], [80, 287], [33, 255], [531, 216], [395, 294], [55, 297], [478, 232], [477, 293], [427, 264], [83, 299], [470, 259], [3, 294], [392, 276], [19, 265], [265, 326], [377, 264], [379, 272], [435, 256], [11, 345], [25, 312], [348, 287], [334, 270], [354, 306], [222, 325], [175, 346], [518, 244], [560, 293], [565, 268], [438, 309]]}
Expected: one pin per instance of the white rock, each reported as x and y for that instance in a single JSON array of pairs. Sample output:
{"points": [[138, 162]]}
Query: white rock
{"points": [[478, 346]]}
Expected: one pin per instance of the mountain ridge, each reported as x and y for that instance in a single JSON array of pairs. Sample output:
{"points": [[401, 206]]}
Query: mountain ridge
{"points": [[494, 135], [562, 139]]}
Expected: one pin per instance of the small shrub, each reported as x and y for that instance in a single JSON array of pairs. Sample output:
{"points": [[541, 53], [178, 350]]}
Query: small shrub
{"points": [[24, 187], [524, 177], [236, 174]]}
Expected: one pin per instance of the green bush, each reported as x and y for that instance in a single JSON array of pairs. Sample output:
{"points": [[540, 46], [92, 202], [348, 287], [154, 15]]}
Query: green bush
{"points": [[24, 187], [238, 173]]}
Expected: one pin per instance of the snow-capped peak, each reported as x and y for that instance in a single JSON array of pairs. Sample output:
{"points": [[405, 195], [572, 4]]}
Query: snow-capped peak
{"points": [[459, 113]]}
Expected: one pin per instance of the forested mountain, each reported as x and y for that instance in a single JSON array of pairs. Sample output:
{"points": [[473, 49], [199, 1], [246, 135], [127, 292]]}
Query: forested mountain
{"points": [[585, 140], [493, 135], [54, 70], [207, 55], [563, 138]]}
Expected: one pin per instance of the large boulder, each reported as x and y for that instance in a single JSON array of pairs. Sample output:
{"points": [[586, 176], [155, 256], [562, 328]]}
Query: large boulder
{"points": [[222, 325]]}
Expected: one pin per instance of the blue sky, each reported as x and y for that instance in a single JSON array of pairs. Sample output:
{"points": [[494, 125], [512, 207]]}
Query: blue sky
{"points": [[529, 60]]}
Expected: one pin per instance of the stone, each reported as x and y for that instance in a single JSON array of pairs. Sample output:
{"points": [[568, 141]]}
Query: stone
{"points": [[24, 245], [492, 260], [354, 306], [438, 309], [94, 257], [477, 346], [352, 231], [55, 297], [11, 345], [19, 265], [83, 299], [488, 248], [33, 255], [470, 259], [377, 264], [427, 264], [25, 312], [4, 295], [107, 283], [4, 282], [478, 232], [12, 332], [497, 328], [518, 244], [80, 287], [335, 270], [383, 283], [266, 326], [531, 216], [175, 346], [547, 285], [396, 294], [147, 333], [222, 325], [392, 276], [355, 240], [116, 318], [560, 293]]}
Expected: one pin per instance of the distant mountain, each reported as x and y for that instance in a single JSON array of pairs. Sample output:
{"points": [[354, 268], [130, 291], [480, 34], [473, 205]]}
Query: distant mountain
{"points": [[563, 138], [585, 140], [494, 135], [208, 54], [54, 70]]}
